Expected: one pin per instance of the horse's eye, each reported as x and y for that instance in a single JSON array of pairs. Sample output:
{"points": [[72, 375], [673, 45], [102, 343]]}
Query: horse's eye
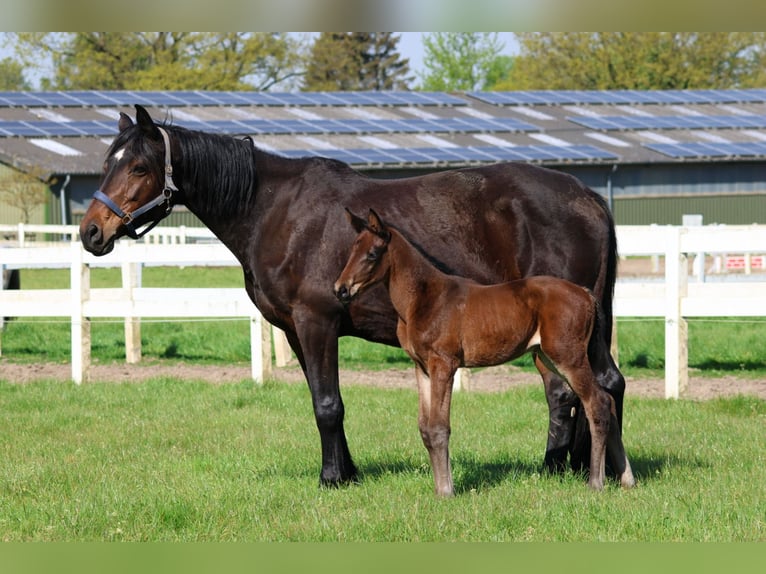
{"points": [[372, 255], [138, 170]]}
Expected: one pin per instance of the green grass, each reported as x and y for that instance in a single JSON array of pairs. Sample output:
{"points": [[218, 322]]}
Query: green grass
{"points": [[171, 460], [716, 347]]}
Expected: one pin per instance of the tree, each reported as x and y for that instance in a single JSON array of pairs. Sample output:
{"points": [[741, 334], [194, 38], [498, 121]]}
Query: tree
{"points": [[463, 61], [356, 61], [25, 191], [637, 60], [12, 76], [165, 60]]}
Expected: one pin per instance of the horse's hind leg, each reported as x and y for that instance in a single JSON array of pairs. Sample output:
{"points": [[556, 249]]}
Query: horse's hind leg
{"points": [[616, 449], [598, 409], [435, 394], [563, 407]]}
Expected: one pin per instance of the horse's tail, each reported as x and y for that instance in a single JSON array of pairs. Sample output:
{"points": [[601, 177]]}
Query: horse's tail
{"points": [[610, 272]]}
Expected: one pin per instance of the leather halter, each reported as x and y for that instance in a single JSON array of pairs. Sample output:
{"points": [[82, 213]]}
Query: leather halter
{"points": [[163, 198]]}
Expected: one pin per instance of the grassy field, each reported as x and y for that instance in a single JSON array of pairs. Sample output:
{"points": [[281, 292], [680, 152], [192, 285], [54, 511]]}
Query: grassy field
{"points": [[715, 347], [174, 460]]}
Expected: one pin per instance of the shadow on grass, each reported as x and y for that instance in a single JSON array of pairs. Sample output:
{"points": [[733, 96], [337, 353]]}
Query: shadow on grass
{"points": [[474, 474]]}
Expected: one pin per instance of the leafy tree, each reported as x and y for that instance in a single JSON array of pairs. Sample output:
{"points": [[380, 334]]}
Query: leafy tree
{"points": [[356, 61], [12, 75], [637, 60], [165, 60], [26, 191], [463, 61]]}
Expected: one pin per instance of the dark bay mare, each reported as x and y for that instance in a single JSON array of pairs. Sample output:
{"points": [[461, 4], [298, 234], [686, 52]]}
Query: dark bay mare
{"points": [[446, 322], [284, 220]]}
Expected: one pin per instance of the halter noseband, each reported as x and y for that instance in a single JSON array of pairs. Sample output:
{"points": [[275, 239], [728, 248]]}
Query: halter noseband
{"points": [[164, 197]]}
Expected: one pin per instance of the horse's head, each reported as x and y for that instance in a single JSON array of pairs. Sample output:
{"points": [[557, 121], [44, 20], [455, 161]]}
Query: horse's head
{"points": [[136, 185], [367, 263]]}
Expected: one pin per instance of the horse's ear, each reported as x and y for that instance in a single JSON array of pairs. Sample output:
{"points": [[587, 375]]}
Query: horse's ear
{"points": [[146, 123], [125, 122], [356, 222], [376, 225]]}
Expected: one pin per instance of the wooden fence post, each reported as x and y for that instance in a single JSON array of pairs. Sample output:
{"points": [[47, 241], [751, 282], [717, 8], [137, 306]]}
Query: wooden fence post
{"points": [[676, 330], [268, 369], [282, 351], [256, 347], [80, 291], [131, 279]]}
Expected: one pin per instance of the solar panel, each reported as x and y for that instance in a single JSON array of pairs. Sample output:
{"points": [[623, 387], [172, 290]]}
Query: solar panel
{"points": [[751, 121], [573, 97], [704, 150], [458, 155]]}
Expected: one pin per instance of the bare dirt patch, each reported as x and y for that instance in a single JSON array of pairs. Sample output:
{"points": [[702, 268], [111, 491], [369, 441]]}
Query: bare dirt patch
{"points": [[493, 379]]}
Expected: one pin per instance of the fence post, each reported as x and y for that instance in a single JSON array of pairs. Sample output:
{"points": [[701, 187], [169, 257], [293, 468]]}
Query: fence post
{"points": [[676, 331], [256, 347], [80, 291], [268, 369], [131, 278], [282, 351]]}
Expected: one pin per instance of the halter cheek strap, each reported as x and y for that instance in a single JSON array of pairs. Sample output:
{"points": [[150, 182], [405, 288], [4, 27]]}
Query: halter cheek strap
{"points": [[163, 198]]}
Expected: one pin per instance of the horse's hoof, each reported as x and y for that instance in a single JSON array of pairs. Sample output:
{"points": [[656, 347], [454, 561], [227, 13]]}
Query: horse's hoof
{"points": [[338, 482]]}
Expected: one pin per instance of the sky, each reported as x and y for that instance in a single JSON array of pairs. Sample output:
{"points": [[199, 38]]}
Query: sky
{"points": [[410, 46]]}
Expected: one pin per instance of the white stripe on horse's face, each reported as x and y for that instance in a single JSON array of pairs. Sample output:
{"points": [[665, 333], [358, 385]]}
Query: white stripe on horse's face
{"points": [[119, 153]]}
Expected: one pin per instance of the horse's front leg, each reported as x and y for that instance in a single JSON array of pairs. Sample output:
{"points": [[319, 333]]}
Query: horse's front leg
{"points": [[315, 343], [435, 394]]}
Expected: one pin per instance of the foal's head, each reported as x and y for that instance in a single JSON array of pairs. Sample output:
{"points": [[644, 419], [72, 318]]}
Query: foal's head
{"points": [[367, 263]]}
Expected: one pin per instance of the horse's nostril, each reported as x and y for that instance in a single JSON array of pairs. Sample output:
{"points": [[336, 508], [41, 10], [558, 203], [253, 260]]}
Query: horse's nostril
{"points": [[92, 235], [342, 293]]}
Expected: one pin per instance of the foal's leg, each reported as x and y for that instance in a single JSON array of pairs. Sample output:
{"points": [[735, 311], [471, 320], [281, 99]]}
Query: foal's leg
{"points": [[435, 394], [598, 410], [563, 407]]}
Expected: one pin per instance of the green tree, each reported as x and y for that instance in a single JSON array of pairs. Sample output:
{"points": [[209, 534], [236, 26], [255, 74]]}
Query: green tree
{"points": [[356, 61], [637, 60], [165, 60], [26, 191], [12, 75], [463, 61]]}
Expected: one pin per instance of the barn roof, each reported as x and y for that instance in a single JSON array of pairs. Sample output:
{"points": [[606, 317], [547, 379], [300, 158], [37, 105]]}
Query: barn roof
{"points": [[68, 132]]}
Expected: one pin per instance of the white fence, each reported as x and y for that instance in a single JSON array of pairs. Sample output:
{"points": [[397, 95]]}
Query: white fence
{"points": [[674, 299]]}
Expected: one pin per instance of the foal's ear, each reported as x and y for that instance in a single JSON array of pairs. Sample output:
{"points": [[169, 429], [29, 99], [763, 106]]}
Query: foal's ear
{"points": [[146, 123], [356, 222], [376, 225]]}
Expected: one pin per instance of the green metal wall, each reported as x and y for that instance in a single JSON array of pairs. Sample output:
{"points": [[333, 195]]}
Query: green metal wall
{"points": [[732, 209]]}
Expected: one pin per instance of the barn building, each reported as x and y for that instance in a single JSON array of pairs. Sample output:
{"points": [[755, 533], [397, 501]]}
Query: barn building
{"points": [[655, 155]]}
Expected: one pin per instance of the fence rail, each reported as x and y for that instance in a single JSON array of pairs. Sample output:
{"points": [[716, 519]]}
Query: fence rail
{"points": [[674, 297]]}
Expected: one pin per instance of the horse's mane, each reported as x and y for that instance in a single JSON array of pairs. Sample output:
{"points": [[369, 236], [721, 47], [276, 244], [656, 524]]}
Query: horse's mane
{"points": [[217, 172]]}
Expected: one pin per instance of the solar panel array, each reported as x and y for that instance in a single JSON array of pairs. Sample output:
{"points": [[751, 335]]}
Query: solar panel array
{"points": [[751, 121], [210, 98], [432, 155], [49, 128], [705, 149], [620, 97]]}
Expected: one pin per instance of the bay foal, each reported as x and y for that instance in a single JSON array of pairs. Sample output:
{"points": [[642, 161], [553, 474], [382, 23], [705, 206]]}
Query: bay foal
{"points": [[446, 322]]}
